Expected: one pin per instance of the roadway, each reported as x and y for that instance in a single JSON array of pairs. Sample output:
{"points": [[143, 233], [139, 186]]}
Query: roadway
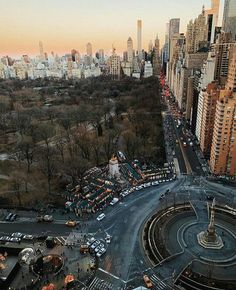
{"points": [[125, 260], [175, 135]]}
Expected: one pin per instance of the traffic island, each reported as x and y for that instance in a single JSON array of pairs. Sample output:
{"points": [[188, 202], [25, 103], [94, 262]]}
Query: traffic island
{"points": [[181, 252]]}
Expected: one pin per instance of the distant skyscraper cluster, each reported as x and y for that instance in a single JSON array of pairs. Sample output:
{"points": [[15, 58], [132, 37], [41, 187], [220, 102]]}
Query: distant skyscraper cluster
{"points": [[136, 62], [201, 73]]}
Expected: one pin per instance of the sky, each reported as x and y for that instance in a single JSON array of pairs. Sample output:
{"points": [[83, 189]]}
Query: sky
{"points": [[66, 24]]}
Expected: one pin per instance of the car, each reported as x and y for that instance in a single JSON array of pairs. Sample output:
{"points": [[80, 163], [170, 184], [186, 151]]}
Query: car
{"points": [[17, 235], [99, 247], [48, 218], [101, 252], [28, 237], [101, 217], [13, 217], [95, 244], [155, 182], [185, 144], [90, 241], [5, 239], [44, 218], [15, 240], [114, 201], [71, 223], [8, 217], [108, 239], [147, 281]]}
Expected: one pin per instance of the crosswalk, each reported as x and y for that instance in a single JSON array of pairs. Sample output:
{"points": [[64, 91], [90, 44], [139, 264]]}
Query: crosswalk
{"points": [[60, 240], [157, 282], [99, 284]]}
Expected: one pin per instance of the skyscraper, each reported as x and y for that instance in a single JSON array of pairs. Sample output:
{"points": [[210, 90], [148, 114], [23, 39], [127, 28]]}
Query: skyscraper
{"points": [[231, 80], [114, 64], [196, 35], [89, 50], [157, 46], [229, 18], [130, 49], [139, 38], [223, 149], [173, 30], [150, 46], [165, 50], [174, 27], [212, 15], [207, 98], [41, 52], [101, 55]]}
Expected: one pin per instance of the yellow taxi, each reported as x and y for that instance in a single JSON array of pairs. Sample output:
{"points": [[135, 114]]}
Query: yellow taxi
{"points": [[71, 223]]}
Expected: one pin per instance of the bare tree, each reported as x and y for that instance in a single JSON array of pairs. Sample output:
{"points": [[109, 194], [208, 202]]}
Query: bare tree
{"points": [[26, 148]]}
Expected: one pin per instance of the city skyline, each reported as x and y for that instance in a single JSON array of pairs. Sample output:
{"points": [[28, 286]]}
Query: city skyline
{"points": [[58, 24]]}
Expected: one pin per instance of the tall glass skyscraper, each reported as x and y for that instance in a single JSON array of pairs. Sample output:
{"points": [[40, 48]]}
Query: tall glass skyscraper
{"points": [[139, 38], [229, 18]]}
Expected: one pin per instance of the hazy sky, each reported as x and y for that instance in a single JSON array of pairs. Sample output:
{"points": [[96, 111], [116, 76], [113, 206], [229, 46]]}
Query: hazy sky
{"points": [[65, 24]]}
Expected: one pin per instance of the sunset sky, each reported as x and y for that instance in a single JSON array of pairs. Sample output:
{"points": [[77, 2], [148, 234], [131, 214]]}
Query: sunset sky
{"points": [[65, 24]]}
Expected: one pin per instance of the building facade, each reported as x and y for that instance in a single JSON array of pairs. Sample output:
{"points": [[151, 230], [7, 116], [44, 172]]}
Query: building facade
{"points": [[223, 150], [229, 18]]}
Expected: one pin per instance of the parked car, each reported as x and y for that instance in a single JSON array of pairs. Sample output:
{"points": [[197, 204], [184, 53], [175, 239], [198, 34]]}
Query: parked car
{"points": [[101, 217], [108, 239], [15, 240], [95, 244], [13, 217], [5, 239], [114, 201], [8, 217], [17, 235], [28, 237], [90, 241], [99, 247], [101, 252]]}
